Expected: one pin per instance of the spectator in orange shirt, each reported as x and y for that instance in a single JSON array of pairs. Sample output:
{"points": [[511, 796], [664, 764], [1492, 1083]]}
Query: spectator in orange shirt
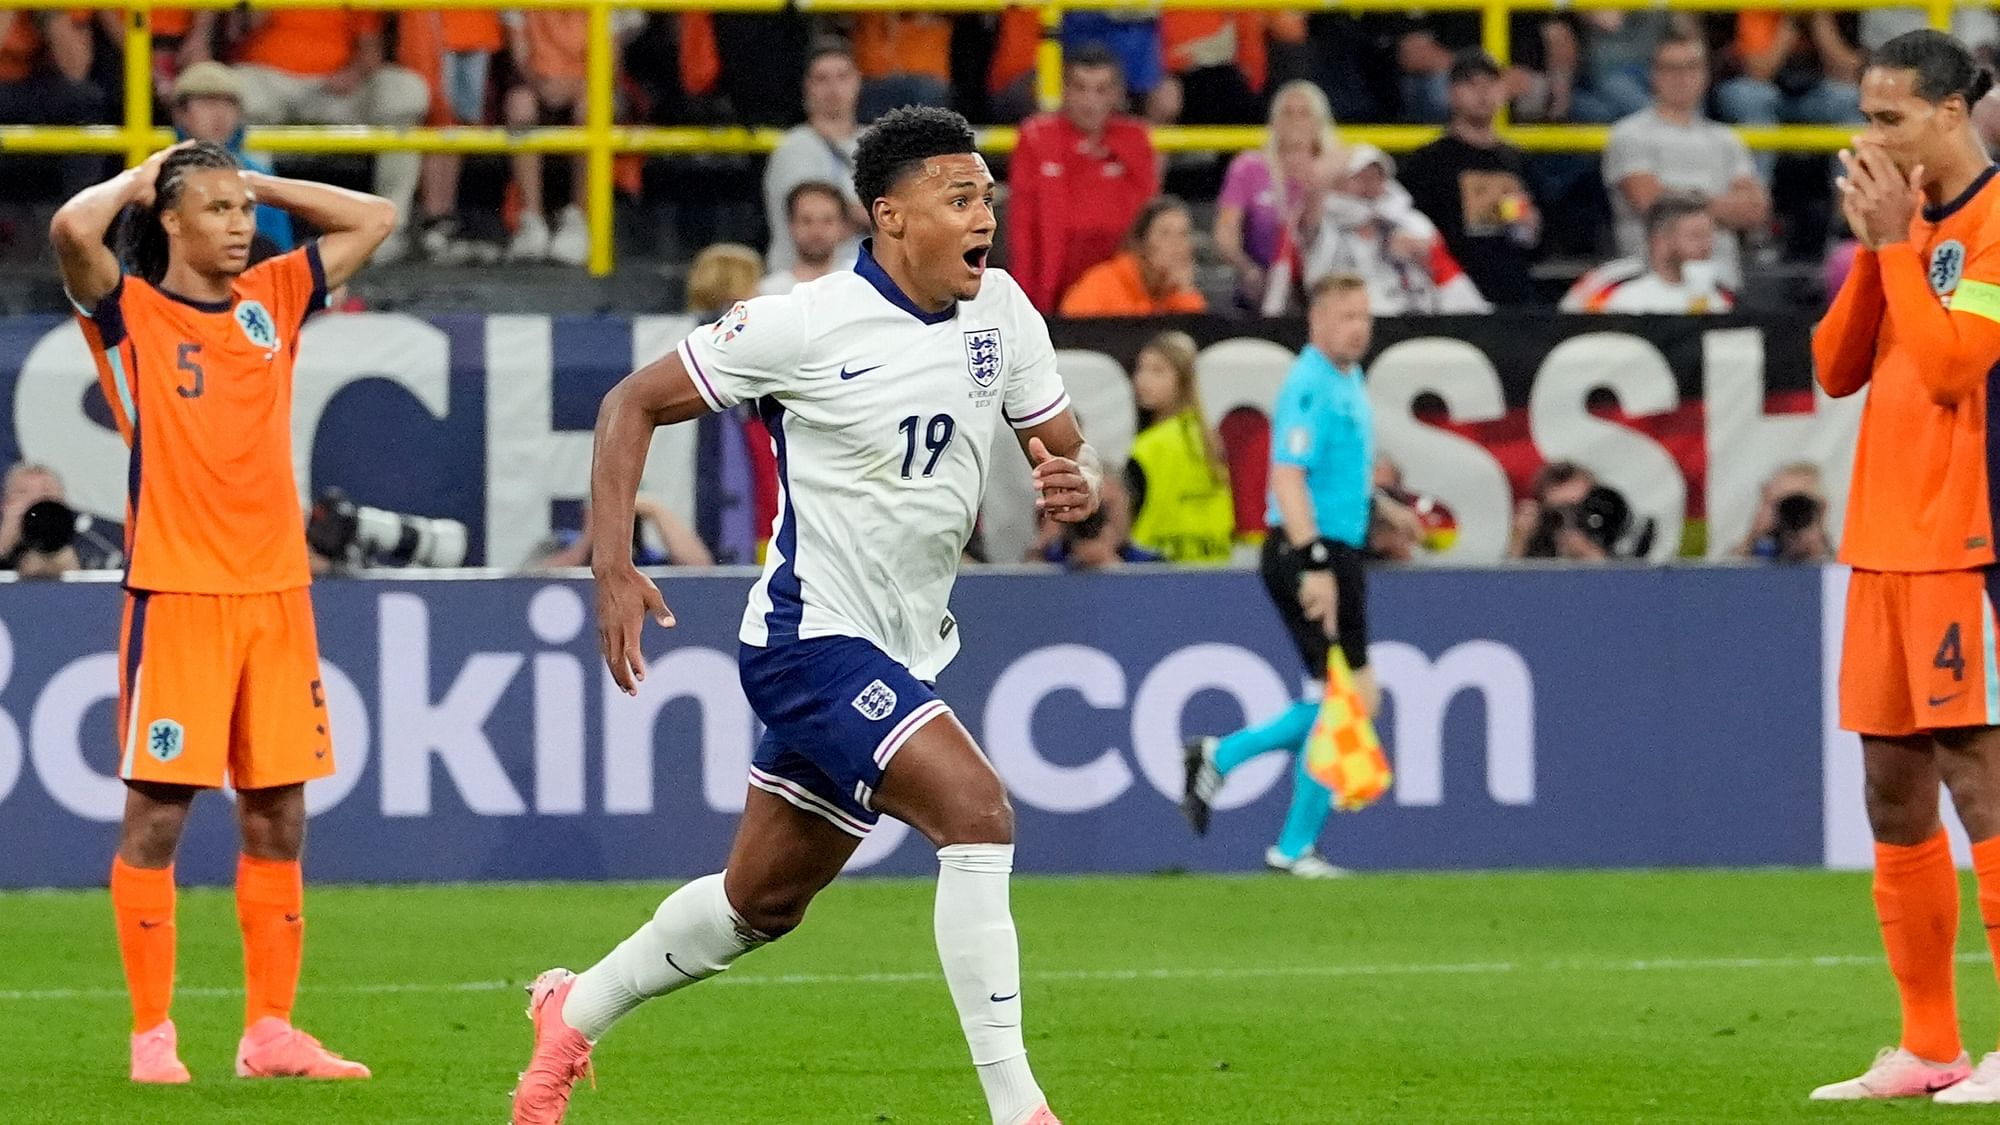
{"points": [[905, 59], [1799, 69], [182, 37], [453, 52], [1010, 76], [324, 66], [1216, 64], [45, 80], [550, 50], [1153, 275]]}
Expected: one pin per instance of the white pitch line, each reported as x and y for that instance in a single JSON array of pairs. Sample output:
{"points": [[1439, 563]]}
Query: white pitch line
{"points": [[1267, 972]]}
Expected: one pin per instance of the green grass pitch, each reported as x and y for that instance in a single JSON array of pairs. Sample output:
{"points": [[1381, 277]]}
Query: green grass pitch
{"points": [[1588, 998]]}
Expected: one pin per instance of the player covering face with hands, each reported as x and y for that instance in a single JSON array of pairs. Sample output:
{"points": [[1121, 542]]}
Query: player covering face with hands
{"points": [[219, 665], [883, 389], [1917, 322]]}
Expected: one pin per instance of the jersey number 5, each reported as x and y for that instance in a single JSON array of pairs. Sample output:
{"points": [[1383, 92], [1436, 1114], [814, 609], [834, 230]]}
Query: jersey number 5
{"points": [[184, 359], [937, 438]]}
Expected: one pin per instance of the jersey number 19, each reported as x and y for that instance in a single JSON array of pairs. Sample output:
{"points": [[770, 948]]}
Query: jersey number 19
{"points": [[937, 438]]}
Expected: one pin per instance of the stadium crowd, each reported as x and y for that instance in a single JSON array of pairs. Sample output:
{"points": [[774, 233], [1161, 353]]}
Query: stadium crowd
{"points": [[1670, 218], [1672, 209]]}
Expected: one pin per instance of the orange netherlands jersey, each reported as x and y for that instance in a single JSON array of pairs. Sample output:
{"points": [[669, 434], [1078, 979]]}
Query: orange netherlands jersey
{"points": [[1918, 324], [203, 396]]}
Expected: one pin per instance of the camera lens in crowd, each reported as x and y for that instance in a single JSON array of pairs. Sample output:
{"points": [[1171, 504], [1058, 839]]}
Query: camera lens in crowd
{"points": [[358, 535], [1796, 512], [48, 526]]}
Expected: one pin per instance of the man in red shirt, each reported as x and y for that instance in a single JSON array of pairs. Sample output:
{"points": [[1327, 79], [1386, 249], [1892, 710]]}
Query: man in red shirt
{"points": [[1078, 179]]}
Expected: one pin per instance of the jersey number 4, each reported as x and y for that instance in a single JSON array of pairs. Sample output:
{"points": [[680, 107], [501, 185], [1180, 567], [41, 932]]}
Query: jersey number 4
{"points": [[1950, 654], [937, 438]]}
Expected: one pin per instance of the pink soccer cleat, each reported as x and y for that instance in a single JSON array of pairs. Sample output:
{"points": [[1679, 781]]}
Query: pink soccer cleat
{"points": [[273, 1048], [1042, 1116], [562, 1054], [1897, 1073], [155, 1057]]}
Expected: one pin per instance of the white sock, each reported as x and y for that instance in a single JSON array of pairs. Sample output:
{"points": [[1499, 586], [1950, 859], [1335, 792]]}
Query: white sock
{"points": [[982, 965], [693, 936]]}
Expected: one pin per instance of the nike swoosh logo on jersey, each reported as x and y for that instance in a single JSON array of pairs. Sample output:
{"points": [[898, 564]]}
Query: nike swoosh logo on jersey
{"points": [[845, 374], [1941, 700]]}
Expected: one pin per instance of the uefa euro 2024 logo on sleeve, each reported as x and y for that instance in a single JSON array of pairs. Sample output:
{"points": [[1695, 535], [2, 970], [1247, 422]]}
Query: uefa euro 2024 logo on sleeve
{"points": [[731, 325], [982, 355]]}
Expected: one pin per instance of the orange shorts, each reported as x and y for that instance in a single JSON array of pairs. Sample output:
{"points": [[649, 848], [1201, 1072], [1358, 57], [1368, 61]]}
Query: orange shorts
{"points": [[221, 689], [1919, 652]]}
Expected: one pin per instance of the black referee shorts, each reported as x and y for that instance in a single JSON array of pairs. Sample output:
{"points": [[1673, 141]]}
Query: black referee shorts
{"points": [[1281, 570]]}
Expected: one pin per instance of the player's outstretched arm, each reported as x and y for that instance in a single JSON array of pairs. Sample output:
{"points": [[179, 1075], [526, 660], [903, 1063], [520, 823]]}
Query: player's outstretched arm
{"points": [[1069, 478], [353, 223], [658, 394], [89, 268]]}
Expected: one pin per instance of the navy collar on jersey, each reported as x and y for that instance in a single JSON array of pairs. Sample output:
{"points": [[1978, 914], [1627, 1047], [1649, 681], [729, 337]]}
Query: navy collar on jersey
{"points": [[872, 272], [202, 306], [1945, 211]]}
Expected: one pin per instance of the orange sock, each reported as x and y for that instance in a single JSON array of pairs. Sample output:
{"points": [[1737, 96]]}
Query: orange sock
{"points": [[270, 907], [142, 899], [1916, 898], [1986, 864]]}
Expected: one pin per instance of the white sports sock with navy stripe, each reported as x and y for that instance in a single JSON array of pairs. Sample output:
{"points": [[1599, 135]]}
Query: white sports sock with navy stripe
{"points": [[982, 966], [693, 936]]}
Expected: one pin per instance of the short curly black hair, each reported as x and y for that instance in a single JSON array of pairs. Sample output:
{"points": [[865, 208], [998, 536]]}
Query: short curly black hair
{"points": [[902, 140]]}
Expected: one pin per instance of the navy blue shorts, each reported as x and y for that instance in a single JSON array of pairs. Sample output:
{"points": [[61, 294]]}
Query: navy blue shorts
{"points": [[835, 710]]}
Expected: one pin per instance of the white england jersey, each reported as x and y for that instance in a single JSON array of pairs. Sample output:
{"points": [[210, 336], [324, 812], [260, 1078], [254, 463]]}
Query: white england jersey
{"points": [[883, 418]]}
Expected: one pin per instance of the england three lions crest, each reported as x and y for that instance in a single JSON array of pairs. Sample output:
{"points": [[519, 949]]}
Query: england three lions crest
{"points": [[982, 355]]}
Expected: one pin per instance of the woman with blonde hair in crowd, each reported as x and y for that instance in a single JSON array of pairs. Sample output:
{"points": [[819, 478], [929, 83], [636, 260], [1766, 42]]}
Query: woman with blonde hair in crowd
{"points": [[1270, 192], [1178, 477], [722, 275]]}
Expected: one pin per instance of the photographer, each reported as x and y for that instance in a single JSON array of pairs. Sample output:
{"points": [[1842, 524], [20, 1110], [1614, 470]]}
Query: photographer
{"points": [[1791, 519], [1574, 518], [1558, 485], [1102, 542], [41, 536], [682, 547]]}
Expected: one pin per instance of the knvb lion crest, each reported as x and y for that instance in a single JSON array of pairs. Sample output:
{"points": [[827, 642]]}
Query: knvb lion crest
{"points": [[982, 356], [257, 325], [165, 739], [1947, 266]]}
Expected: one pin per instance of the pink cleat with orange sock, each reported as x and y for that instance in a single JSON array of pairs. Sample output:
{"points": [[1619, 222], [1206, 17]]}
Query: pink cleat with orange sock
{"points": [[562, 1054], [273, 1048], [156, 1057]]}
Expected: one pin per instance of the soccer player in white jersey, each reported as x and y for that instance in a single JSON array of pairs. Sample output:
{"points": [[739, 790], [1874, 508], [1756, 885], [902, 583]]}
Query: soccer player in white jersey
{"points": [[884, 388]]}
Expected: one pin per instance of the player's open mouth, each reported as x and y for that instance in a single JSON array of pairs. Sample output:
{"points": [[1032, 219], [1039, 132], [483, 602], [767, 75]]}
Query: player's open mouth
{"points": [[976, 258]]}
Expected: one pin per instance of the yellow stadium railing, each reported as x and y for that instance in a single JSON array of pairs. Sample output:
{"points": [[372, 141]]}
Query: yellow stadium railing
{"points": [[600, 140]]}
